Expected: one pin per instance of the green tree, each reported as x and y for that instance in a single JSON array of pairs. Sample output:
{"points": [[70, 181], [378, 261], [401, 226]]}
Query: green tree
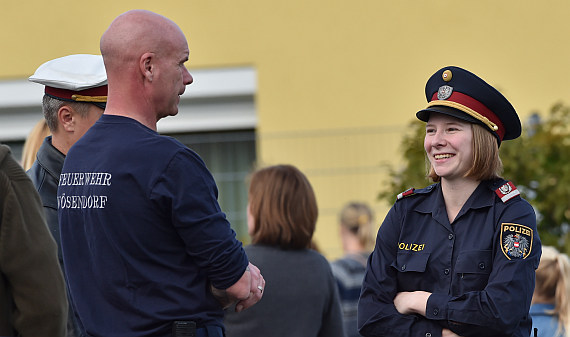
{"points": [[537, 163]]}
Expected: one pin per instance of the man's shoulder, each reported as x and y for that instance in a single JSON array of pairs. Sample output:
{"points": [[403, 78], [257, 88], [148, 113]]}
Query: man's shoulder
{"points": [[36, 174]]}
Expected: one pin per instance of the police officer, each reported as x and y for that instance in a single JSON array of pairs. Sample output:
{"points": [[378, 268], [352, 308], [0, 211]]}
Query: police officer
{"points": [[456, 258], [74, 99]]}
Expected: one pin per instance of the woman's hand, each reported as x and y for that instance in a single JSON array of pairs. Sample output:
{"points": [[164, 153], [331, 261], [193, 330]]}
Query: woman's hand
{"points": [[448, 333], [411, 302]]}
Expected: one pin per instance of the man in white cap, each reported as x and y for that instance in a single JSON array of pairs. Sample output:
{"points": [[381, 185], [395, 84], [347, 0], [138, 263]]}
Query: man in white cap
{"points": [[75, 98]]}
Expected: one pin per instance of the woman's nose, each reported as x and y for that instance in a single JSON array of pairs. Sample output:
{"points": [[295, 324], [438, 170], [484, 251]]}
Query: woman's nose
{"points": [[438, 139]]}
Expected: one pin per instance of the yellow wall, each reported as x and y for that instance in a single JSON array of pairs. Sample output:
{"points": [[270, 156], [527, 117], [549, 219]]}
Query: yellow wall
{"points": [[338, 81]]}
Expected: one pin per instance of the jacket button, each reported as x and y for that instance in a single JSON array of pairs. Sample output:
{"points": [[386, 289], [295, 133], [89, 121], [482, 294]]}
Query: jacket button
{"points": [[446, 271], [450, 236], [481, 265], [428, 334], [403, 267]]}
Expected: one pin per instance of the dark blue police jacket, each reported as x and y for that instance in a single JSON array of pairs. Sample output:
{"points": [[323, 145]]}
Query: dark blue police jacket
{"points": [[480, 269]]}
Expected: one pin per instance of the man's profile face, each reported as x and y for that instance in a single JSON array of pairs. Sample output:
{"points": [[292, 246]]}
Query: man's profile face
{"points": [[173, 77]]}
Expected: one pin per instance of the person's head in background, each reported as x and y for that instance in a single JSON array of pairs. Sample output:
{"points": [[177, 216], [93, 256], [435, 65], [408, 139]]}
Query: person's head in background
{"points": [[356, 228], [75, 96], [282, 209], [553, 284], [33, 142]]}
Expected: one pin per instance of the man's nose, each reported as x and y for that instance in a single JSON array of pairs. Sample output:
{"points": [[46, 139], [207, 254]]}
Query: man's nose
{"points": [[188, 79]]}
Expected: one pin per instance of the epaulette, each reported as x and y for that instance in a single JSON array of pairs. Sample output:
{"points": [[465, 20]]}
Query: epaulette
{"points": [[507, 191], [406, 193], [413, 191]]}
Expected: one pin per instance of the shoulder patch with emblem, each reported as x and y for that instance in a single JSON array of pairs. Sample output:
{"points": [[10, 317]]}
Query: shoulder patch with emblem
{"points": [[516, 240], [406, 193], [507, 191]]}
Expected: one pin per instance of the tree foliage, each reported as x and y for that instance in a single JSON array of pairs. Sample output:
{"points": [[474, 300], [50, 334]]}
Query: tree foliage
{"points": [[537, 163]]}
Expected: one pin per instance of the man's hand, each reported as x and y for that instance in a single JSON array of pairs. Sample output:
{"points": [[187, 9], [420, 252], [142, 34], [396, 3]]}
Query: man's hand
{"points": [[247, 291], [257, 286]]}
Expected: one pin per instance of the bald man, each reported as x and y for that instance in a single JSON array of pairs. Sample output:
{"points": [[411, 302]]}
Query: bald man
{"points": [[146, 248]]}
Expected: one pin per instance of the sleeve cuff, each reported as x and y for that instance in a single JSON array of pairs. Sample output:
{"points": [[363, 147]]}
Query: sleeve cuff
{"points": [[426, 328], [437, 305]]}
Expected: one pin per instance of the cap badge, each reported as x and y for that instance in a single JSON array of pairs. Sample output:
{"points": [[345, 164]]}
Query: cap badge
{"points": [[447, 75], [444, 92]]}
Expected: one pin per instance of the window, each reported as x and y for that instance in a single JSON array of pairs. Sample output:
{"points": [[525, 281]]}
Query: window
{"points": [[230, 156]]}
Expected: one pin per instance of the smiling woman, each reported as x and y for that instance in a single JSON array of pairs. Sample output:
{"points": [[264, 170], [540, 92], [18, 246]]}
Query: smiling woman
{"points": [[485, 162], [448, 146], [475, 238]]}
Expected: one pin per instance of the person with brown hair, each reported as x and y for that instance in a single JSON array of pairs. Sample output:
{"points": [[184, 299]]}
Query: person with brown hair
{"points": [[301, 297], [458, 257], [550, 309], [357, 237]]}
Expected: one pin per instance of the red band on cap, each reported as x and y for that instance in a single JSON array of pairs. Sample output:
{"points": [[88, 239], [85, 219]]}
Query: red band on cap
{"points": [[478, 107], [67, 94]]}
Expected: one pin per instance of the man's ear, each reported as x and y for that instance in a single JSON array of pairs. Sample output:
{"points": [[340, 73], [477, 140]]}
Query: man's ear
{"points": [[65, 118], [146, 64]]}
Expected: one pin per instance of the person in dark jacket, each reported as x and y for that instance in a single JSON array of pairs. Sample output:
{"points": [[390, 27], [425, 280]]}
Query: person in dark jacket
{"points": [[75, 96], [147, 250], [32, 290], [456, 258]]}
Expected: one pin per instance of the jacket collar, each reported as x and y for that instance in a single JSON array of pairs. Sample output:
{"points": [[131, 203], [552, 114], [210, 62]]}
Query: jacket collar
{"points": [[50, 159], [482, 197]]}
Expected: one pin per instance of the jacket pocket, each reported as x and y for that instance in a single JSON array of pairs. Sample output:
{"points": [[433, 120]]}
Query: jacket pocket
{"points": [[411, 270], [411, 262], [472, 270], [474, 262]]}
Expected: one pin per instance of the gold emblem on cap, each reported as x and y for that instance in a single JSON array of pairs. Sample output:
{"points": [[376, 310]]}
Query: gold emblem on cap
{"points": [[447, 75], [90, 99]]}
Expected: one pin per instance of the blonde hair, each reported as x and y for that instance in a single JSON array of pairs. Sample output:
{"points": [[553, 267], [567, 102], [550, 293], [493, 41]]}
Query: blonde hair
{"points": [[553, 281], [33, 143], [358, 219], [486, 161]]}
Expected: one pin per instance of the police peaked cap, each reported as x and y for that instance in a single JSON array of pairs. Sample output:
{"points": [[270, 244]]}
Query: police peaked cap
{"points": [[74, 78], [459, 93]]}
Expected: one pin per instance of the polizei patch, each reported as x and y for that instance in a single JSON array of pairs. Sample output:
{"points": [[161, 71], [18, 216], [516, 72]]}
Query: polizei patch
{"points": [[516, 240]]}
